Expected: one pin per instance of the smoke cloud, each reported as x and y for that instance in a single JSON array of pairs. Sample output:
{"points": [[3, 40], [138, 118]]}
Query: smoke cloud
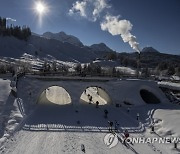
{"points": [[92, 9], [100, 5], [14, 20], [89, 9], [115, 26]]}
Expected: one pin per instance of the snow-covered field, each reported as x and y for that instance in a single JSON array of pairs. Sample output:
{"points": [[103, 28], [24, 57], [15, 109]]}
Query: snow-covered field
{"points": [[54, 128]]}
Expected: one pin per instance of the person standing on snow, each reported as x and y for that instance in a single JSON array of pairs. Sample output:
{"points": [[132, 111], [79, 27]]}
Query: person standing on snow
{"points": [[90, 99], [137, 116], [116, 125], [97, 104], [110, 125], [97, 92], [126, 135], [105, 113]]}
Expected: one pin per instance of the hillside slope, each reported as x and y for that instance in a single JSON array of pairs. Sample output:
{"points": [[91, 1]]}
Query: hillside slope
{"points": [[59, 45], [12, 47], [63, 37]]}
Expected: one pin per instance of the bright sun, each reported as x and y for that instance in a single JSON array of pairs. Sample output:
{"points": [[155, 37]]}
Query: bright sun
{"points": [[40, 7]]}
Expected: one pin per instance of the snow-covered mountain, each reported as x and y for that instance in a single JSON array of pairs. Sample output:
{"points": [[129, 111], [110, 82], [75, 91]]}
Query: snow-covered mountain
{"points": [[43, 47], [58, 45], [63, 37]]}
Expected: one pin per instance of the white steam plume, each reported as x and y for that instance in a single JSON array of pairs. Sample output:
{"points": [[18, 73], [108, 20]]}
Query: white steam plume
{"points": [[115, 26], [99, 5], [89, 9], [11, 19], [92, 9]]}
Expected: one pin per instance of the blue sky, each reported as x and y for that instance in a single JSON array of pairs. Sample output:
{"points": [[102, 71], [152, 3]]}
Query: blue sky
{"points": [[155, 23]]}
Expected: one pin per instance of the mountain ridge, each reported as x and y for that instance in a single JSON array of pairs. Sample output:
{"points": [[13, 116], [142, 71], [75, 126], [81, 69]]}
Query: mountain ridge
{"points": [[43, 46], [63, 37]]}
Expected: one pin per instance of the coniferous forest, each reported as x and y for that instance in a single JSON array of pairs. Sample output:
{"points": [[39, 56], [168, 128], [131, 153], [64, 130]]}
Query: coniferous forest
{"points": [[19, 32]]}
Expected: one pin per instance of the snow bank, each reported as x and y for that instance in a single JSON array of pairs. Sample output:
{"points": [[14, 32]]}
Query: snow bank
{"points": [[11, 111], [126, 70], [169, 85], [5, 90], [167, 122], [13, 115]]}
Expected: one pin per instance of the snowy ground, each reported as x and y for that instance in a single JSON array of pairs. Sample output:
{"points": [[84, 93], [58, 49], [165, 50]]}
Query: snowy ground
{"points": [[54, 128], [164, 124], [43, 132], [169, 85], [11, 111], [5, 90], [126, 70]]}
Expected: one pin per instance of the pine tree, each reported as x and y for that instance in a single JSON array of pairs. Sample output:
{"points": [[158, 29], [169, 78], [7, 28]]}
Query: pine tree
{"points": [[78, 68]]}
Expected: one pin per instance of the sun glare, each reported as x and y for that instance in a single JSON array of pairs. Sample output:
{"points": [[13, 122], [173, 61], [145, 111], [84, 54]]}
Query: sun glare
{"points": [[40, 8]]}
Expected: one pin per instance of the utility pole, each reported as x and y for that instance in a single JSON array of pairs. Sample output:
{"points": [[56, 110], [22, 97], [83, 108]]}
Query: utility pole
{"points": [[138, 64]]}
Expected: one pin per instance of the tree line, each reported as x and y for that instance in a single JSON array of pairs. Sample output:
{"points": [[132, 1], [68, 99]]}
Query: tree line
{"points": [[19, 32], [155, 63]]}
